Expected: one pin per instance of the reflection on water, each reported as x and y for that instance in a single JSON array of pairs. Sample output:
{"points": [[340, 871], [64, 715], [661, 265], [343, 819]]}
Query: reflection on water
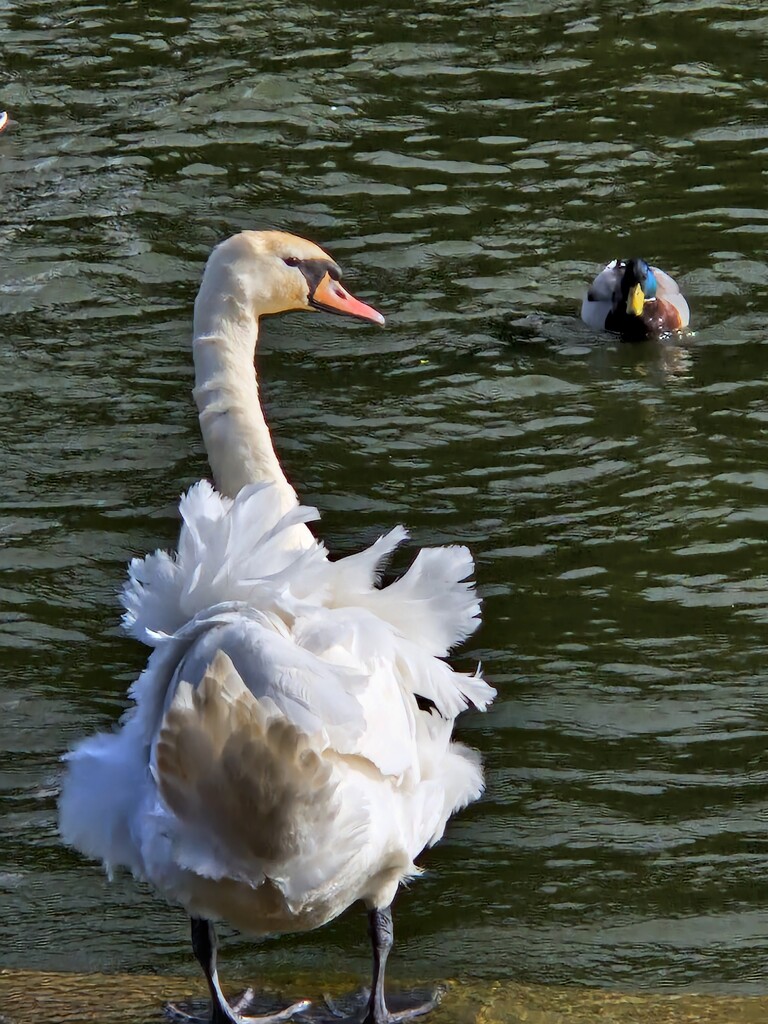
{"points": [[471, 168], [113, 999]]}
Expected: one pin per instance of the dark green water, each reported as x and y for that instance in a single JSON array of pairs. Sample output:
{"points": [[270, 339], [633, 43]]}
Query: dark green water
{"points": [[471, 167]]}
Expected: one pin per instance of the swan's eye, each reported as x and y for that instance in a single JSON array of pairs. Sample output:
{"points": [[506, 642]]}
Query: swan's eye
{"points": [[291, 261]]}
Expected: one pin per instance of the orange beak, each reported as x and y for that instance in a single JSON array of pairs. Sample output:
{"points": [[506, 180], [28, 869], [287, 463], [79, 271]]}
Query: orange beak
{"points": [[331, 296]]}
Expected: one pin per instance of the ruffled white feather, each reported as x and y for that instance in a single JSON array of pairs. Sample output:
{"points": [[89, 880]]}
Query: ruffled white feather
{"points": [[317, 645], [242, 550]]}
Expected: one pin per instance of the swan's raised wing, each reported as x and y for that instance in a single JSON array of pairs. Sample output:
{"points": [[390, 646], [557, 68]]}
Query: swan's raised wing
{"points": [[371, 644], [243, 550], [433, 604]]}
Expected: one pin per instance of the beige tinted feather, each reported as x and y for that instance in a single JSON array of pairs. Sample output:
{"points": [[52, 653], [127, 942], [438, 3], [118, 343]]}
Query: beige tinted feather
{"points": [[233, 767]]}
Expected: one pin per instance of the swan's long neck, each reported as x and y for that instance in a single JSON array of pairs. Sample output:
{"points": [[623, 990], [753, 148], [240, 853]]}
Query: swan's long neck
{"points": [[235, 433]]}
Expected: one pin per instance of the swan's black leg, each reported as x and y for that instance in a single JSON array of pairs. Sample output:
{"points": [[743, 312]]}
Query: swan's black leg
{"points": [[380, 929], [204, 946]]}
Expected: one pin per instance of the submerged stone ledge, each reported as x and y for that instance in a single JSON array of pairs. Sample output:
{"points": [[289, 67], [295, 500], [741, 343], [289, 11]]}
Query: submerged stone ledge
{"points": [[31, 997]]}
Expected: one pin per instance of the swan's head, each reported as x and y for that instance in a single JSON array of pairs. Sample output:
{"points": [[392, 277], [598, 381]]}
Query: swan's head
{"points": [[273, 272]]}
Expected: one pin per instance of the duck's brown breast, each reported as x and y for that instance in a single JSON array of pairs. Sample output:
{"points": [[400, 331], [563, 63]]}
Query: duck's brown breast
{"points": [[661, 317]]}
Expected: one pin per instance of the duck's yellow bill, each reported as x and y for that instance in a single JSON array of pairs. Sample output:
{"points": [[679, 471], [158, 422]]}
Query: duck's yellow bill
{"points": [[330, 295], [636, 300]]}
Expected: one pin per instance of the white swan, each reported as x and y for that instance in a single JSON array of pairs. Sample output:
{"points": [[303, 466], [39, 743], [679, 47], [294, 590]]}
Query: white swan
{"points": [[276, 765]]}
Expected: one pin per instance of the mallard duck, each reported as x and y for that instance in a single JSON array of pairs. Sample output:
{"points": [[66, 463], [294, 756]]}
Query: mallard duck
{"points": [[634, 300], [278, 762]]}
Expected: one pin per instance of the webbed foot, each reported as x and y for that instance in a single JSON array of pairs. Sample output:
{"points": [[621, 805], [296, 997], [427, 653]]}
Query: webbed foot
{"points": [[221, 1010], [360, 1009], [242, 1010]]}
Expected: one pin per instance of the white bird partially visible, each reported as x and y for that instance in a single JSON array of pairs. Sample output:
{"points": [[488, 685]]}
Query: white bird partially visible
{"points": [[277, 764]]}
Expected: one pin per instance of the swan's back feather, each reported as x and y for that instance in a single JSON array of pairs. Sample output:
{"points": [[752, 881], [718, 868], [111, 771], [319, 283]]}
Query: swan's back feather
{"points": [[362, 571], [241, 549], [319, 697]]}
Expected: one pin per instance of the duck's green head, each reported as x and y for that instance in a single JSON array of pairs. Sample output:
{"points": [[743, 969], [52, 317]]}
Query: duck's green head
{"points": [[638, 284]]}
